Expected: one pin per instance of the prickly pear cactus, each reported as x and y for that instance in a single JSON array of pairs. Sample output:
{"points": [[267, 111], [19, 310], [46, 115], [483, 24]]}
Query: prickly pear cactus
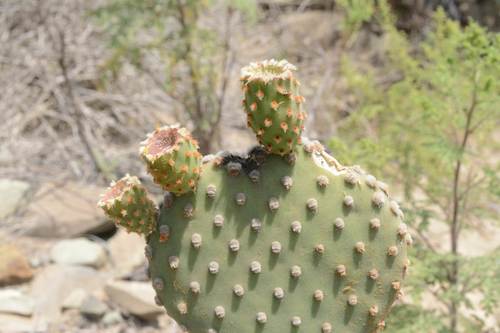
{"points": [[278, 242]]}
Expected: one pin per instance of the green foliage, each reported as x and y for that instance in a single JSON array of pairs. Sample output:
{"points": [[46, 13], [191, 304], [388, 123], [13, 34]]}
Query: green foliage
{"points": [[431, 128], [169, 37], [356, 13]]}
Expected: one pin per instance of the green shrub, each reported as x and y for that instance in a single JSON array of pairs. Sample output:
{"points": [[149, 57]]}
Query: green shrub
{"points": [[432, 129]]}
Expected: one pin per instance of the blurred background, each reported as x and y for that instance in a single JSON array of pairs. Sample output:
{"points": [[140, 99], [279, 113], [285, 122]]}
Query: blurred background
{"points": [[408, 89]]}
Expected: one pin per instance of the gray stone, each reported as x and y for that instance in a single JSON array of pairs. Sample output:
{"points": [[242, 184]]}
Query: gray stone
{"points": [[65, 210], [75, 299], [136, 298], [54, 283], [16, 324], [127, 252], [79, 251], [15, 302], [93, 308], [112, 318], [11, 195], [14, 266]]}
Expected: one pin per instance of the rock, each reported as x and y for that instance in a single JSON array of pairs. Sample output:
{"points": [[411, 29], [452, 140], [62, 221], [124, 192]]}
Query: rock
{"points": [[11, 195], [93, 308], [136, 298], [112, 318], [14, 266], [52, 285], [15, 324], [79, 251], [75, 299], [127, 252], [65, 211], [15, 302]]}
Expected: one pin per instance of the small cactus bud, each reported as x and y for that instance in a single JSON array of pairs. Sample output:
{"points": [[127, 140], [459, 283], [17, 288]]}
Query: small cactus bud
{"points": [[295, 271], [371, 181], [182, 308], [322, 181], [158, 284], [373, 274], [213, 267], [373, 310], [279, 293], [291, 158], [360, 247], [318, 295], [287, 182], [296, 227], [375, 223], [241, 199], [168, 200], [296, 321], [189, 211], [211, 191], [408, 239], [339, 223], [402, 230], [312, 205], [392, 251], [234, 245], [348, 201], [394, 206], [196, 240], [341, 270], [350, 178], [164, 231], [194, 286], [256, 225], [273, 204], [218, 221], [173, 262], [238, 290], [319, 249], [220, 312], [254, 176], [326, 328], [276, 247], [353, 300], [233, 168], [255, 267], [378, 199], [261, 317], [396, 285], [309, 147]]}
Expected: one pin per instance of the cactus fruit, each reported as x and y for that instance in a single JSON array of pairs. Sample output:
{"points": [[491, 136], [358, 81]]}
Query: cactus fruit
{"points": [[126, 202], [273, 104], [172, 158], [293, 243]]}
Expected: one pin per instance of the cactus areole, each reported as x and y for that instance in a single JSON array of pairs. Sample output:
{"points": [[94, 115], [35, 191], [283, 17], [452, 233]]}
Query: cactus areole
{"points": [[285, 239]]}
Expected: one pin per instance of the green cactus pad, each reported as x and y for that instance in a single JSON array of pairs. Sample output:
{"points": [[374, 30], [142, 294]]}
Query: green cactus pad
{"points": [[308, 246], [273, 104], [172, 158], [126, 202]]}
